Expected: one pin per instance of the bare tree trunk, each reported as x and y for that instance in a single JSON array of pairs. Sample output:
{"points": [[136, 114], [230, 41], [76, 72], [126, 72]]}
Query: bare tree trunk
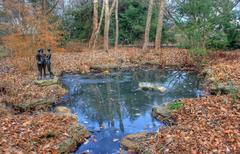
{"points": [[117, 25], [99, 27], [43, 4], [19, 11], [53, 7], [44, 7], [95, 22], [160, 24], [148, 25], [108, 13], [106, 26]]}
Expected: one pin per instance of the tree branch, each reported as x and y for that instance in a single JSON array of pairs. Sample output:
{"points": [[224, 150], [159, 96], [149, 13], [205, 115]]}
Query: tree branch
{"points": [[169, 15], [235, 4], [53, 7], [112, 7]]}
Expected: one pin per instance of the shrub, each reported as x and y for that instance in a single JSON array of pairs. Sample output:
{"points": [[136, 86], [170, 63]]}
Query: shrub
{"points": [[217, 41], [198, 52]]}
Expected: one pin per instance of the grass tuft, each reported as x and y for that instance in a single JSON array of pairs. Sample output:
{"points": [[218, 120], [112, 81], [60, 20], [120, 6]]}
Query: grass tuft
{"points": [[176, 105]]}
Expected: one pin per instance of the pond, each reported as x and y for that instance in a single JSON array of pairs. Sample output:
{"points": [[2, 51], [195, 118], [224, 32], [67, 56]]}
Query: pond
{"points": [[111, 106]]}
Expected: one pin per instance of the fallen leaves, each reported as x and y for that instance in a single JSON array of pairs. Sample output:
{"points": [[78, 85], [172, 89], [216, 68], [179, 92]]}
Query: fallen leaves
{"points": [[205, 125], [211, 125], [36, 133], [225, 67]]}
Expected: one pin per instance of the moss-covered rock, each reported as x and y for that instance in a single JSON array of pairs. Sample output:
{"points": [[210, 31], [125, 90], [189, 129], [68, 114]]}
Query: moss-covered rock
{"points": [[35, 104], [4, 110], [134, 142], [77, 135], [151, 63], [63, 110], [163, 113], [222, 89], [151, 86], [207, 72], [47, 82], [103, 68], [58, 88]]}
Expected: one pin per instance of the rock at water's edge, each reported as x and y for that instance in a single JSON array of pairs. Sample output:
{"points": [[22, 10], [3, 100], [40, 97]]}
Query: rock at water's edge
{"points": [[77, 135], [222, 89], [47, 82], [103, 68], [134, 142], [34, 104], [61, 110], [163, 113], [151, 86]]}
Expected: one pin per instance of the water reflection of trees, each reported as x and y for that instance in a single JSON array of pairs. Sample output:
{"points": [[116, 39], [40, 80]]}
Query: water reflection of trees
{"points": [[113, 101]]}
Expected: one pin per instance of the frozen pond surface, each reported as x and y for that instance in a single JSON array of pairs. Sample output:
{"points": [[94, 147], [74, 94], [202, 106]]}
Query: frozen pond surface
{"points": [[110, 106]]}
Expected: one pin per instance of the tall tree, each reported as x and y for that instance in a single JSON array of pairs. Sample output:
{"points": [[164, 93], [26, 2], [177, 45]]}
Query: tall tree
{"points": [[95, 23], [108, 13], [208, 23], [160, 24], [117, 25], [99, 26], [44, 6], [148, 25]]}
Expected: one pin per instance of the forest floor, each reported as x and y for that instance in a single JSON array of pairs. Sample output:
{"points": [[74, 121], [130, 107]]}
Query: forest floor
{"points": [[196, 120], [210, 124]]}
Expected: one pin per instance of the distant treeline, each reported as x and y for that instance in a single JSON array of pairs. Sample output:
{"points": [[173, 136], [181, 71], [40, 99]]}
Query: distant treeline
{"points": [[211, 24]]}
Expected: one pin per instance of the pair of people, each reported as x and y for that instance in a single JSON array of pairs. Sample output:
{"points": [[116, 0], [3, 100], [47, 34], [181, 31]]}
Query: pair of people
{"points": [[43, 61]]}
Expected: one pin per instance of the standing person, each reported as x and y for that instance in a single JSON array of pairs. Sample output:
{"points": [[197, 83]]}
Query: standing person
{"points": [[48, 62], [39, 63], [43, 60]]}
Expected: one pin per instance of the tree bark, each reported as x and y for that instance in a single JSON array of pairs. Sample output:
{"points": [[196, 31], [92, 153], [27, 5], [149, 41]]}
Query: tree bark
{"points": [[99, 27], [53, 7], [44, 7], [148, 25], [117, 25], [108, 13], [95, 23], [106, 26], [160, 24]]}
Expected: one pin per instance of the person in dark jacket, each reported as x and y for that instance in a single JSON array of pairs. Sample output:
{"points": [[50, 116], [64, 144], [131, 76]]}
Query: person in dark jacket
{"points": [[39, 63], [48, 62], [43, 61]]}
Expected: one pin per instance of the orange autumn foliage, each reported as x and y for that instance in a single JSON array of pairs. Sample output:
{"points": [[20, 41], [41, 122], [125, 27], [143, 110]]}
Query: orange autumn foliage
{"points": [[28, 31]]}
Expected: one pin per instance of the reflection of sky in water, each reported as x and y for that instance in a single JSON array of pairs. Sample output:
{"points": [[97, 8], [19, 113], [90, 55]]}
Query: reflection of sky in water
{"points": [[111, 106]]}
